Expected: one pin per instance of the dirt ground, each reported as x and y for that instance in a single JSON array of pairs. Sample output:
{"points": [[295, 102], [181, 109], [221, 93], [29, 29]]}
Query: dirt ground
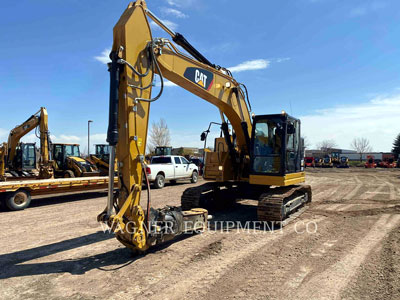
{"points": [[345, 246]]}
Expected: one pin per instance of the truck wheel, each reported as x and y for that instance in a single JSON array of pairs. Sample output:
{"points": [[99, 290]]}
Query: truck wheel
{"points": [[18, 200], [69, 174], [159, 182], [194, 177]]}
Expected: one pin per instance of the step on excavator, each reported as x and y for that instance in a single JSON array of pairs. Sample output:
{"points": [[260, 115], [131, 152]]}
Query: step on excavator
{"points": [[260, 158], [19, 160]]}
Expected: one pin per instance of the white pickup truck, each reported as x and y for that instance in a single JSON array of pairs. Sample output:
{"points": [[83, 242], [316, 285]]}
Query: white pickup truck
{"points": [[171, 168]]}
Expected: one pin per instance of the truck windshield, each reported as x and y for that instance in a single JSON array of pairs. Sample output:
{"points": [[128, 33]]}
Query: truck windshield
{"points": [[161, 160]]}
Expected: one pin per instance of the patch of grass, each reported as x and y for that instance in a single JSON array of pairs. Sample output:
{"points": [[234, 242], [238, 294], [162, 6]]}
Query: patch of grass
{"points": [[356, 164]]}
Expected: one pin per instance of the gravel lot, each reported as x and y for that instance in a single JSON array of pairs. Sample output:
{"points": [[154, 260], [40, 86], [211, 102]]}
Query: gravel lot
{"points": [[56, 250]]}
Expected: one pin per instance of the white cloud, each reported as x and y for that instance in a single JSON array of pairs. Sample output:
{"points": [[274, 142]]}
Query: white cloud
{"points": [[67, 139], [376, 120], [104, 57], [185, 139], [282, 59], [256, 64], [173, 12], [30, 138], [180, 3], [98, 138], [169, 83], [167, 23]]}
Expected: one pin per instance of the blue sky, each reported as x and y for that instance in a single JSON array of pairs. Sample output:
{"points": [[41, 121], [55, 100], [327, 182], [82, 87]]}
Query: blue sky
{"points": [[335, 64]]}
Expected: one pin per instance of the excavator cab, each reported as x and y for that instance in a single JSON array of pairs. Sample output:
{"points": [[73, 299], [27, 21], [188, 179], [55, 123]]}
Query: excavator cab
{"points": [[102, 149], [25, 159], [62, 151], [275, 149], [28, 156], [163, 150]]}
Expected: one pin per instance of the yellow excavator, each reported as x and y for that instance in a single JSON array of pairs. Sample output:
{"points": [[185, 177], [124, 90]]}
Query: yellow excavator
{"points": [[260, 158], [20, 159]]}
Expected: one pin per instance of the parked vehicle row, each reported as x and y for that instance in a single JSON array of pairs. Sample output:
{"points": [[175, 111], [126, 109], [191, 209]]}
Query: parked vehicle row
{"points": [[326, 162], [379, 163]]}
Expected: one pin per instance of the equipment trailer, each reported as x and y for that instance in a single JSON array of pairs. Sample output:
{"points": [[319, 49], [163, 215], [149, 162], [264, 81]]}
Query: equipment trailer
{"points": [[17, 194]]}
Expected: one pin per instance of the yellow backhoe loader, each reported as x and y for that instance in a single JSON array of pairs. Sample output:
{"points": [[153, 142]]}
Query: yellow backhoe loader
{"points": [[20, 159], [68, 163], [101, 158], [259, 159]]}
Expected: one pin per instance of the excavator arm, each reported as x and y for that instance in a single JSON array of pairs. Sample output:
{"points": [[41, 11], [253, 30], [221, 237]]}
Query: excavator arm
{"points": [[3, 153], [135, 58], [38, 120]]}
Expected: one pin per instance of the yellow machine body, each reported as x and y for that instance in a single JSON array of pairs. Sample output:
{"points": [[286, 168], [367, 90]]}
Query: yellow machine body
{"points": [[142, 57]]}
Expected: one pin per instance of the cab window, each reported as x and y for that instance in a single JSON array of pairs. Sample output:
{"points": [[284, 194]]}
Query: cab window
{"points": [[184, 160], [267, 146]]}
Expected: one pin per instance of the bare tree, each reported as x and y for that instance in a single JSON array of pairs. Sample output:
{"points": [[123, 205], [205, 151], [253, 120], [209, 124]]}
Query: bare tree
{"points": [[327, 145], [159, 135], [361, 145], [306, 142]]}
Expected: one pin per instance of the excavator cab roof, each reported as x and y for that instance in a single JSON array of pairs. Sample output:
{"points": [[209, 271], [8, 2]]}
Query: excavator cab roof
{"points": [[66, 144]]}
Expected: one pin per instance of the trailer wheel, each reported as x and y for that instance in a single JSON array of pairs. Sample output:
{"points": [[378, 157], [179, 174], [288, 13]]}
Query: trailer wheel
{"points": [[2, 201], [18, 200], [69, 174]]}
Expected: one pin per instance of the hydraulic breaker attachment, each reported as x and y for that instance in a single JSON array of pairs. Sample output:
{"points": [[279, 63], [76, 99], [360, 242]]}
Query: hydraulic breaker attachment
{"points": [[164, 225]]}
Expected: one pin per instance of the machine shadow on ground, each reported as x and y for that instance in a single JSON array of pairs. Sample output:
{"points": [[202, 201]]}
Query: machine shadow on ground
{"points": [[14, 264], [241, 215]]}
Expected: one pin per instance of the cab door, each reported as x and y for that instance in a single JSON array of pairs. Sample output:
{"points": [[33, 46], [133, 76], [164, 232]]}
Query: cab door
{"points": [[28, 156], [187, 169], [58, 156], [293, 151], [179, 167]]}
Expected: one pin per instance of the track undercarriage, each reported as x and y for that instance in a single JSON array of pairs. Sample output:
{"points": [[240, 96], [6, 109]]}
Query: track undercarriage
{"points": [[275, 204]]}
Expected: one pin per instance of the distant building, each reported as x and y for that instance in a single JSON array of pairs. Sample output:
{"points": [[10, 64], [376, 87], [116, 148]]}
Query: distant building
{"points": [[186, 151], [350, 154]]}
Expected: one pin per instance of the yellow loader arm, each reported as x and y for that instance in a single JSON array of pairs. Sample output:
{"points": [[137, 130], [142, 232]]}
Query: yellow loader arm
{"points": [[136, 57]]}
